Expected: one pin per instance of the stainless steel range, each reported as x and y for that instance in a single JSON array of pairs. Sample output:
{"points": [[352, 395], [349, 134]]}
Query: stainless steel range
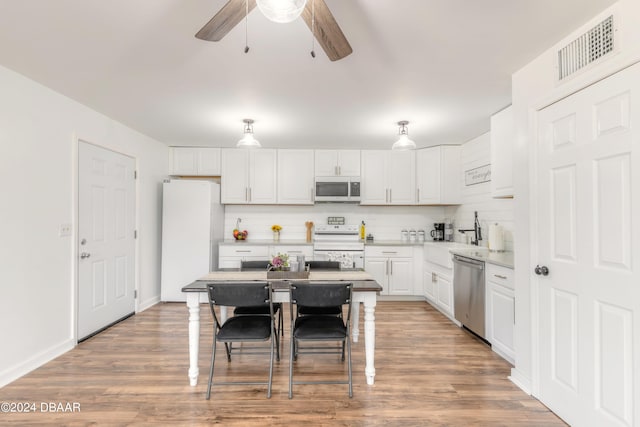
{"points": [[339, 243]]}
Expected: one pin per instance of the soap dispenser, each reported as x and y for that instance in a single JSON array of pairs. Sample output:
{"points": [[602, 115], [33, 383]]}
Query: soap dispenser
{"points": [[362, 231]]}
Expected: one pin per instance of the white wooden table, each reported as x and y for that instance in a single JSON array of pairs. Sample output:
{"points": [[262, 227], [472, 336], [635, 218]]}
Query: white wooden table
{"points": [[365, 291]]}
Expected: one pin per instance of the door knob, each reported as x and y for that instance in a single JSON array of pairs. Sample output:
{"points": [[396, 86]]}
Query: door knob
{"points": [[84, 255], [544, 271]]}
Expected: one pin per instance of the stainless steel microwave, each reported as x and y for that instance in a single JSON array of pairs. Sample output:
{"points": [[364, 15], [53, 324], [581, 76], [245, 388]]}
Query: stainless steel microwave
{"points": [[337, 189]]}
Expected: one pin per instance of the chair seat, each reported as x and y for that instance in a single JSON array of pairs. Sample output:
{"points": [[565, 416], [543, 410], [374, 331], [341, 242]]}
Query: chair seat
{"points": [[257, 309], [245, 328], [305, 310], [319, 328]]}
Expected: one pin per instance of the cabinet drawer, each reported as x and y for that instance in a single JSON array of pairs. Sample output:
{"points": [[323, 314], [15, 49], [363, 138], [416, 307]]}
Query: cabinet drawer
{"points": [[305, 250], [388, 251], [501, 275], [244, 251]]}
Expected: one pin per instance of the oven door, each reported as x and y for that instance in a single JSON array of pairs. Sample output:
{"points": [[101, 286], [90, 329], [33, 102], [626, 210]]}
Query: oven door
{"points": [[348, 259]]}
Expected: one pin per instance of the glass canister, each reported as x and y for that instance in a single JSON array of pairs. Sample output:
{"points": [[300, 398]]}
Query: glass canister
{"points": [[404, 235], [421, 236], [413, 236]]}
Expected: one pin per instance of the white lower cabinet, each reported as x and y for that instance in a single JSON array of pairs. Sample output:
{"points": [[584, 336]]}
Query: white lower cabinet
{"points": [[500, 310], [231, 255], [391, 267], [438, 287]]}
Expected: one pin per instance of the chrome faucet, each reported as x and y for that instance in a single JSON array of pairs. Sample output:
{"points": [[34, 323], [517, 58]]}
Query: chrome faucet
{"points": [[477, 231]]}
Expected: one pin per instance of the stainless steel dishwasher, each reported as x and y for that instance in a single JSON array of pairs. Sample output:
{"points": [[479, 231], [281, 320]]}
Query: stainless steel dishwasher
{"points": [[468, 293]]}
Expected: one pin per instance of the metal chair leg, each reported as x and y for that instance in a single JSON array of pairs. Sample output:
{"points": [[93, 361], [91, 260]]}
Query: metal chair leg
{"points": [[349, 355], [213, 361], [271, 368], [291, 367]]}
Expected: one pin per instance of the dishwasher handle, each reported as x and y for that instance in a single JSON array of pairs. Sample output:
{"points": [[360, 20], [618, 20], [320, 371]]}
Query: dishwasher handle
{"points": [[468, 261]]}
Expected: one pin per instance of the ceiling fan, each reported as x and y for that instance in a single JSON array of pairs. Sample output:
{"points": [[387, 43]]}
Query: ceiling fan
{"points": [[316, 15]]}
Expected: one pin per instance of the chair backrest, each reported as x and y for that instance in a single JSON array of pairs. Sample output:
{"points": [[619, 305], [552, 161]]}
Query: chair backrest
{"points": [[255, 265], [321, 294], [238, 294], [323, 265]]}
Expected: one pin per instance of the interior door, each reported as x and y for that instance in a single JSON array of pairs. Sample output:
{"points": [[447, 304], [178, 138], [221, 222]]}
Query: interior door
{"points": [[106, 242], [588, 233]]}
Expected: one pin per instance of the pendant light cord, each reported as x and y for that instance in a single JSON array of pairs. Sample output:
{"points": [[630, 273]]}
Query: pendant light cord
{"points": [[246, 27], [313, 28]]}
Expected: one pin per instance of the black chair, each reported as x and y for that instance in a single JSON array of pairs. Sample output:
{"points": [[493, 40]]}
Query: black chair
{"points": [[327, 311], [320, 328], [263, 308], [246, 328]]}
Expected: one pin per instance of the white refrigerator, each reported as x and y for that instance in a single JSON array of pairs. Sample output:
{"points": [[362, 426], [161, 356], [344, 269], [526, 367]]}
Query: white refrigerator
{"points": [[192, 226]]}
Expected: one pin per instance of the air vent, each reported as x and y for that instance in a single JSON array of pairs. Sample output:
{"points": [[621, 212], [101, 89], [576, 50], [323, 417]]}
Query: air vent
{"points": [[592, 45]]}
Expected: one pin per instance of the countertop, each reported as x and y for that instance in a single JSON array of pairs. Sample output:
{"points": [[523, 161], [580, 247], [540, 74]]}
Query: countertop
{"points": [[504, 259], [393, 243], [266, 242]]}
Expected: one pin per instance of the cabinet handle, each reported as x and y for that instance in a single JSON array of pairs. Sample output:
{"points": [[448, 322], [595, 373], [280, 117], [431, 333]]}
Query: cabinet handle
{"points": [[386, 195], [390, 196], [250, 194], [386, 268], [246, 194], [294, 252], [390, 268], [238, 251], [434, 277], [311, 193], [498, 275], [335, 170], [389, 252], [417, 194]]}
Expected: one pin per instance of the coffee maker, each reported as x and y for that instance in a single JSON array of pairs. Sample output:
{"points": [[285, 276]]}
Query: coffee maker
{"points": [[438, 232]]}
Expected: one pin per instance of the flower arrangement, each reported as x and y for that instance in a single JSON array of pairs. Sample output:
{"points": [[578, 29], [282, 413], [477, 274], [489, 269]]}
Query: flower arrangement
{"points": [[276, 228], [280, 262]]}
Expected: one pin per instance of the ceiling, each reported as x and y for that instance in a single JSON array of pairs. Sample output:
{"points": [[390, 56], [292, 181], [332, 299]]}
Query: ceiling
{"points": [[444, 65]]}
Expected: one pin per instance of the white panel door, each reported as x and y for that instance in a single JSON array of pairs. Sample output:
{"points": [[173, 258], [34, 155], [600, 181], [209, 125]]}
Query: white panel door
{"points": [[235, 176], [262, 176], [400, 276], [295, 177], [349, 162], [326, 163], [374, 189], [379, 269], [106, 244], [428, 173], [588, 234], [401, 175]]}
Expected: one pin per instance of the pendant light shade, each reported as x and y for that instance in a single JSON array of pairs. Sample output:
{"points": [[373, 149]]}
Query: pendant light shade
{"points": [[281, 11], [403, 142], [248, 141]]}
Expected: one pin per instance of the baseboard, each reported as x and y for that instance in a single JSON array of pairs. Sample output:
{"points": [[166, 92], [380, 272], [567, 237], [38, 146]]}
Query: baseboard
{"points": [[148, 304], [9, 375], [400, 298], [520, 380]]}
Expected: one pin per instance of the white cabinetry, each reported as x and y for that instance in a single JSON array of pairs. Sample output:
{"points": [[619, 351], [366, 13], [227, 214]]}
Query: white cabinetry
{"points": [[438, 278], [388, 177], [500, 310], [438, 175], [293, 250], [194, 161], [248, 176], [391, 267], [230, 256], [502, 140], [295, 177], [337, 162]]}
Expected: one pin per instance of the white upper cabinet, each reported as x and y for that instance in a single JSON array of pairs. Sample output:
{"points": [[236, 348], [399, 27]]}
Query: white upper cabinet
{"points": [[295, 177], [248, 176], [388, 177], [195, 161], [438, 175], [337, 162], [502, 140]]}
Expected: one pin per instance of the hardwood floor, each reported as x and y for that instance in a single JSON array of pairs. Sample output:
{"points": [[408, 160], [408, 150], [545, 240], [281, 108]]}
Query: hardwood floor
{"points": [[428, 372]]}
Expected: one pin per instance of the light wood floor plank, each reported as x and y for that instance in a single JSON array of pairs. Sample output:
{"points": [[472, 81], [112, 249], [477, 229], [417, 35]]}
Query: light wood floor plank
{"points": [[428, 372]]}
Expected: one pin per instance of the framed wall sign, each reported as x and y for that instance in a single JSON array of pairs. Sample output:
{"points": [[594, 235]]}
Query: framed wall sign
{"points": [[477, 175]]}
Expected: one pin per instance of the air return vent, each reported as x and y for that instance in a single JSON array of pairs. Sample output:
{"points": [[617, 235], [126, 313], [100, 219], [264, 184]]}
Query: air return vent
{"points": [[592, 45]]}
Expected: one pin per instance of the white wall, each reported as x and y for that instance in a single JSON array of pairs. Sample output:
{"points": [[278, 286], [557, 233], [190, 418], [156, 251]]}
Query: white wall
{"points": [[534, 87], [384, 222], [477, 197], [38, 130]]}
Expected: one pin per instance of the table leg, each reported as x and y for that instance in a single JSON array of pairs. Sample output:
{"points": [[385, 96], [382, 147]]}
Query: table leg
{"points": [[193, 304], [355, 319], [369, 337]]}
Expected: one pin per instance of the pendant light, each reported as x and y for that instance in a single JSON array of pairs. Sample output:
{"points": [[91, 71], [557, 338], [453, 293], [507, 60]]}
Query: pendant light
{"points": [[248, 141], [403, 142], [281, 11]]}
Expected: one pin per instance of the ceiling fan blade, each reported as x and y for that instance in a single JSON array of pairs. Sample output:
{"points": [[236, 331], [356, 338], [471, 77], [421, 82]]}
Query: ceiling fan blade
{"points": [[228, 17], [327, 30]]}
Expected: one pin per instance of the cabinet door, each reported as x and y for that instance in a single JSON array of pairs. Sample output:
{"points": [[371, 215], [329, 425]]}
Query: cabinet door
{"points": [[429, 282], [208, 161], [401, 177], [501, 305], [262, 176], [400, 276], [349, 162], [326, 163], [235, 176], [502, 139], [428, 175], [450, 175], [373, 178], [295, 177], [378, 268], [445, 294], [184, 161], [229, 262]]}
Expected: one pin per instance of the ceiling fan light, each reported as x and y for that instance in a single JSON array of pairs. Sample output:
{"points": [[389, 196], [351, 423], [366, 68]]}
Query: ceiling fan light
{"points": [[248, 140], [403, 142], [281, 11]]}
